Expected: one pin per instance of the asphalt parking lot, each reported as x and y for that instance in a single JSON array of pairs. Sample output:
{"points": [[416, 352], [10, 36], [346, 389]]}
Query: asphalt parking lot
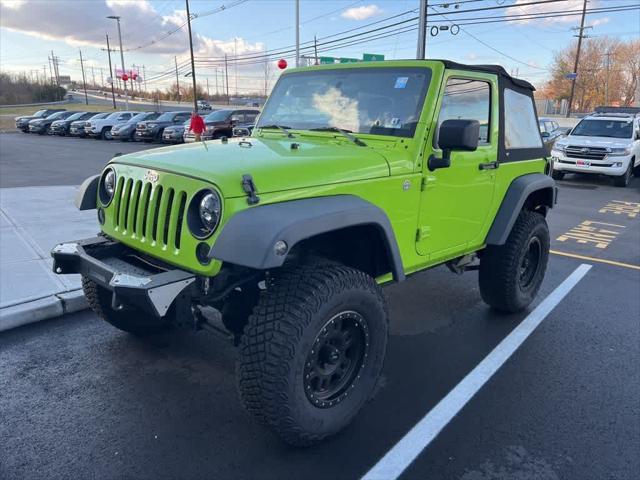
{"points": [[79, 399]]}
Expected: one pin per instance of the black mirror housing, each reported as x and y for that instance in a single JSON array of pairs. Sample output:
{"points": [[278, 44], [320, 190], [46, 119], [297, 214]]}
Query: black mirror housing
{"points": [[455, 135]]}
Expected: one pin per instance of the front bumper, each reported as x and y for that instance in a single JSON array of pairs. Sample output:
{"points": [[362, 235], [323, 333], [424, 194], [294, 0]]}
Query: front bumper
{"points": [[147, 134], [77, 131], [37, 128], [610, 165], [172, 137], [92, 132], [119, 269]]}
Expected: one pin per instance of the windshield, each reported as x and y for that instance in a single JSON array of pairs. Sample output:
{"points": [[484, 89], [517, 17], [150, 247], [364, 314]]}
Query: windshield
{"points": [[382, 101], [99, 116], [217, 116], [53, 116], [76, 116], [604, 128], [166, 117], [39, 113], [143, 116]]}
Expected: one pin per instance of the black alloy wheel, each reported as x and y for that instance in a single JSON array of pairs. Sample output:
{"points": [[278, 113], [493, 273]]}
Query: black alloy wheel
{"points": [[530, 263], [336, 359]]}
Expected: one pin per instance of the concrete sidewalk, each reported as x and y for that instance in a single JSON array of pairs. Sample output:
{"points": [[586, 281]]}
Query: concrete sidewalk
{"points": [[32, 221]]}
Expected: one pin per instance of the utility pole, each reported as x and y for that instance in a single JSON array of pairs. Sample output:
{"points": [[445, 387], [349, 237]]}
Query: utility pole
{"points": [[93, 76], [606, 82], [217, 91], [315, 48], [193, 65], [422, 31], [126, 98], [84, 83], [235, 54], [50, 70], [177, 78], [226, 74], [44, 78], [54, 61], [101, 78], [208, 96], [144, 78], [575, 66], [297, 33], [113, 80]]}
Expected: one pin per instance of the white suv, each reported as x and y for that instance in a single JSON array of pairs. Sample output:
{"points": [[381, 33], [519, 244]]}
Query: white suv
{"points": [[102, 127], [606, 142]]}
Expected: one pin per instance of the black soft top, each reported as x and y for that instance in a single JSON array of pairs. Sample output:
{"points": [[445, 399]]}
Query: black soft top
{"points": [[497, 69]]}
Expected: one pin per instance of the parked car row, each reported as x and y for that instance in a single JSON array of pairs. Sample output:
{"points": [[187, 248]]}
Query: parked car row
{"points": [[167, 127]]}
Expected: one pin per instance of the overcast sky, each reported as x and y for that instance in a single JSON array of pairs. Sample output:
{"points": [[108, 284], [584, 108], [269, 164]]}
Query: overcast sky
{"points": [[30, 29]]}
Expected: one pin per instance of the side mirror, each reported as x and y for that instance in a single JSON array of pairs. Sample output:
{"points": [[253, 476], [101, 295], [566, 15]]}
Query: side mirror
{"points": [[455, 135]]}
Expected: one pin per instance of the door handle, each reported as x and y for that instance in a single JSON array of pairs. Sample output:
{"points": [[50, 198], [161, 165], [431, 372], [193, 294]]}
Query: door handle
{"points": [[489, 166]]}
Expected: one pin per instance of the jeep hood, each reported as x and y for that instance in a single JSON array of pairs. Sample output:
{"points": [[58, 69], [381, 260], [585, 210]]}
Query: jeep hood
{"points": [[273, 163]]}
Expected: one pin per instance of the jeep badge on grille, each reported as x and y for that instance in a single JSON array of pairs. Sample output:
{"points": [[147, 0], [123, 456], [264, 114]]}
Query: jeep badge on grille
{"points": [[151, 176]]}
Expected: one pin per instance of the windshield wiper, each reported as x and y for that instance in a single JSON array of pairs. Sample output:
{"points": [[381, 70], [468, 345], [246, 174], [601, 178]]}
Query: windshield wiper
{"points": [[345, 133], [284, 129]]}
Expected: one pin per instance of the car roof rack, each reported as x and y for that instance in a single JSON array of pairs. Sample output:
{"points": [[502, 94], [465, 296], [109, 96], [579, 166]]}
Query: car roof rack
{"points": [[626, 111]]}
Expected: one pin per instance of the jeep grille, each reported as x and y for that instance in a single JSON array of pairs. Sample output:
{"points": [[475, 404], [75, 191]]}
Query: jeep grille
{"points": [[149, 212]]}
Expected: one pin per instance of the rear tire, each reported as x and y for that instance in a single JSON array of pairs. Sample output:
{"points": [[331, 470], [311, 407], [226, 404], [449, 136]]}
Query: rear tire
{"points": [[131, 320], [511, 274], [313, 350], [636, 170]]}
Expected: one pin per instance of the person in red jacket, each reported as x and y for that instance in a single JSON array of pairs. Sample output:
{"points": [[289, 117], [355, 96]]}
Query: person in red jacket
{"points": [[197, 125]]}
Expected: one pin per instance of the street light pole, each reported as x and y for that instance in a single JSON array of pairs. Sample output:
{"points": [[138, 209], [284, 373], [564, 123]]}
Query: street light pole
{"points": [[113, 80], [193, 66], [117, 19], [575, 65]]}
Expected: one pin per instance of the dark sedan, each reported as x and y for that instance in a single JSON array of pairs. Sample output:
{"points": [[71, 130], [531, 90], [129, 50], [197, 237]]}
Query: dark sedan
{"points": [[76, 128], [150, 130], [22, 123], [62, 127], [175, 133], [43, 125], [550, 132], [221, 122], [126, 131]]}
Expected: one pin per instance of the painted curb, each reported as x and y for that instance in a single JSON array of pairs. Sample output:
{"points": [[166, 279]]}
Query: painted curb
{"points": [[42, 309]]}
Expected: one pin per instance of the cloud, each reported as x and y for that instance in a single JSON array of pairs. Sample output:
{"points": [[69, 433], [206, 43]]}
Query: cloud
{"points": [[600, 21], [85, 24], [361, 13], [518, 9]]}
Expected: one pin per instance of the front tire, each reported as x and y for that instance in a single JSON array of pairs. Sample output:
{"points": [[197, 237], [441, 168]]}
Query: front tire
{"points": [[557, 175], [131, 320], [313, 350], [511, 274], [623, 180], [106, 134]]}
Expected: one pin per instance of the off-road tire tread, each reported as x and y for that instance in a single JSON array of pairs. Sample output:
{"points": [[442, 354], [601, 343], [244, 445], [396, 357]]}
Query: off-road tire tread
{"points": [[138, 323], [497, 287], [276, 325]]}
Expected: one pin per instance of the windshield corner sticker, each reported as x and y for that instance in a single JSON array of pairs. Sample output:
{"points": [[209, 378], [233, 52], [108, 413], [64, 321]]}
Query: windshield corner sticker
{"points": [[401, 82]]}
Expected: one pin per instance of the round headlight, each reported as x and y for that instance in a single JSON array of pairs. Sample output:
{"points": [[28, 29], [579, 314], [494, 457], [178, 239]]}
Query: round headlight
{"points": [[107, 186], [210, 210], [204, 213]]}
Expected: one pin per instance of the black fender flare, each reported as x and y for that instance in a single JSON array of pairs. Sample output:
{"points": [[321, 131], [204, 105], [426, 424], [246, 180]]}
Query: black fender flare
{"points": [[87, 194], [248, 238], [514, 200]]}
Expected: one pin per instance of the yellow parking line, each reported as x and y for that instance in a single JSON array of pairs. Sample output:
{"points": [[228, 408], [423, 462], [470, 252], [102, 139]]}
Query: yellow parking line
{"points": [[599, 260]]}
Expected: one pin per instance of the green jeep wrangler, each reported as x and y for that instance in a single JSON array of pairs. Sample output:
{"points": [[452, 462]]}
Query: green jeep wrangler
{"points": [[355, 175]]}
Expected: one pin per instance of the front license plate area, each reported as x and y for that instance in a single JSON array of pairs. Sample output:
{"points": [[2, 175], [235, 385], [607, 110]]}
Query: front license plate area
{"points": [[583, 163]]}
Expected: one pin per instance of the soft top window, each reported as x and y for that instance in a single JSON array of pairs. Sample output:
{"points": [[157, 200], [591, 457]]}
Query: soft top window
{"points": [[521, 130]]}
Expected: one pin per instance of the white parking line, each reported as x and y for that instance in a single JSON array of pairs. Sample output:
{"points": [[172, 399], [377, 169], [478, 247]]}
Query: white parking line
{"points": [[427, 429]]}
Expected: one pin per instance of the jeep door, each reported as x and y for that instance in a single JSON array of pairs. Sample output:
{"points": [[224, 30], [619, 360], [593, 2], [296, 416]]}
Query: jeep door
{"points": [[455, 201]]}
